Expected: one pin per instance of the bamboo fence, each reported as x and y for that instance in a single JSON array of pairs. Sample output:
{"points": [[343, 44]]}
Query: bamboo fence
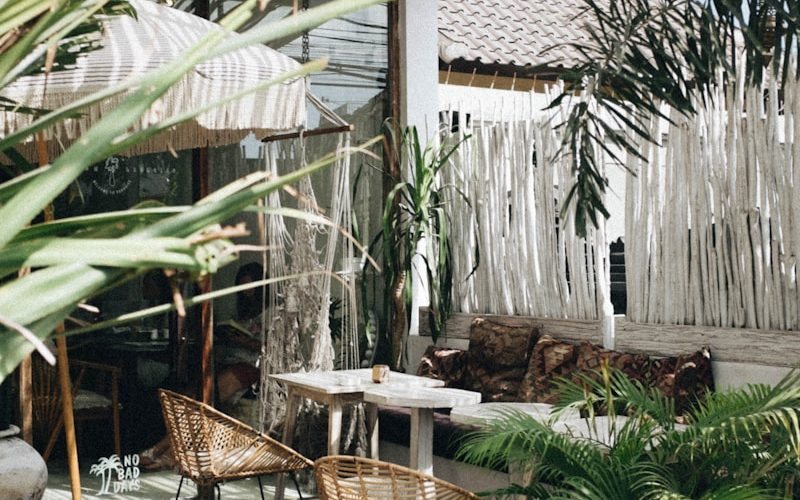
{"points": [[712, 219], [508, 221]]}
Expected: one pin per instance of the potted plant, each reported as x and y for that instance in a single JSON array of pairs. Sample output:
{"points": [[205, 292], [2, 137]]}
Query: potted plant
{"points": [[415, 224]]}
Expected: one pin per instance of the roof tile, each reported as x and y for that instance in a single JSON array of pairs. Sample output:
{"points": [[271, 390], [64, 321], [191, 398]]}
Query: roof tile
{"points": [[513, 31]]}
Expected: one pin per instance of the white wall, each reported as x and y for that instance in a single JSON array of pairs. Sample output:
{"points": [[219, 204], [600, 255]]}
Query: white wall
{"points": [[419, 65], [419, 80]]}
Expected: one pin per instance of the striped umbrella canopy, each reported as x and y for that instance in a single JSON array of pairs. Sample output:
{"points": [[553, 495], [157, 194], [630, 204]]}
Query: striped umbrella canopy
{"points": [[156, 37]]}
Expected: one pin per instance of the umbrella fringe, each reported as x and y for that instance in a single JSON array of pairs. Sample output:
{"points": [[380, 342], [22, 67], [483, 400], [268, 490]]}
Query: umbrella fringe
{"points": [[133, 47]]}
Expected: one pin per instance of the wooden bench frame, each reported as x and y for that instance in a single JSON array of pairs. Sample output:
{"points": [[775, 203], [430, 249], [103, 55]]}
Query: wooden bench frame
{"points": [[779, 348]]}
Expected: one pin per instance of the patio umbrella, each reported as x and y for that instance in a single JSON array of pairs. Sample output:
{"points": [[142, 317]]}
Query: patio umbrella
{"points": [[156, 37]]}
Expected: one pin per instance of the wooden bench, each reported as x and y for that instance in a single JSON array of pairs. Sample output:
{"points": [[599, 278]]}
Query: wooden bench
{"points": [[739, 355]]}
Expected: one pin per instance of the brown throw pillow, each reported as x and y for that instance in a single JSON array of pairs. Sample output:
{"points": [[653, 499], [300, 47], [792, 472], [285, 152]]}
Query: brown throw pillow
{"points": [[685, 378], [591, 358], [444, 363], [498, 358], [551, 359]]}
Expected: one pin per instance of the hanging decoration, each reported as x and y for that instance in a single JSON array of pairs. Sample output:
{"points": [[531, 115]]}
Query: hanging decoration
{"points": [[298, 335]]}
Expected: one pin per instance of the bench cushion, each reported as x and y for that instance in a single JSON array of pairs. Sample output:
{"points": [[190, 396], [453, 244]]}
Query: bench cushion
{"points": [[444, 363], [686, 378], [591, 358], [550, 360], [498, 358]]}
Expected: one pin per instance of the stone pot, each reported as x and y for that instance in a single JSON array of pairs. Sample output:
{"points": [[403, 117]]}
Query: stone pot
{"points": [[23, 473]]}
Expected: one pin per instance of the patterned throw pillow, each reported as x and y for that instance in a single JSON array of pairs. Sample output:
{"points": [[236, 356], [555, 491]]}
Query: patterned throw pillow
{"points": [[591, 358], [686, 378], [498, 358], [444, 363], [551, 359]]}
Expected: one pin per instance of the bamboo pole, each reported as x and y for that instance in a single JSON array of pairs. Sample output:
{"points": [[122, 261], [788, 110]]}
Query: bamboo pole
{"points": [[69, 419], [25, 399], [63, 369]]}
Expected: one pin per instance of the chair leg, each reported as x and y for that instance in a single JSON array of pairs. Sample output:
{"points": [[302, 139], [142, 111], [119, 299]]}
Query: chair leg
{"points": [[51, 443], [178, 494], [115, 430], [296, 484], [219, 491], [260, 487]]}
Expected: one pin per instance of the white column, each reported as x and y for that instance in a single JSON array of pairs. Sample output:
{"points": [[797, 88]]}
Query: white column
{"points": [[419, 98], [419, 65]]}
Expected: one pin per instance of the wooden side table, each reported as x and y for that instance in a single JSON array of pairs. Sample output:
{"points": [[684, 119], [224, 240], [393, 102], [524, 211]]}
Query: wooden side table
{"points": [[421, 401]]}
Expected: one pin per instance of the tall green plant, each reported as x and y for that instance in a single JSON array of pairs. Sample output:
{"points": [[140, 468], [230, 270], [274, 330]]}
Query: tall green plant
{"points": [[414, 214], [734, 445], [79, 258]]}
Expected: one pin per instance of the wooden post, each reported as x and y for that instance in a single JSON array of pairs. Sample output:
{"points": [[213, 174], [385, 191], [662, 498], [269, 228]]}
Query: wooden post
{"points": [[202, 189], [69, 420], [25, 399], [63, 365], [207, 360]]}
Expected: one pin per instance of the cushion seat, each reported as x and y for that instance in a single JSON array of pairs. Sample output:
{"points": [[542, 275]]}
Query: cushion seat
{"points": [[87, 400]]}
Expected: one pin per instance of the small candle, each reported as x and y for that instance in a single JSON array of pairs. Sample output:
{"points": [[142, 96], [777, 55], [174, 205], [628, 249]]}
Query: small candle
{"points": [[380, 373]]}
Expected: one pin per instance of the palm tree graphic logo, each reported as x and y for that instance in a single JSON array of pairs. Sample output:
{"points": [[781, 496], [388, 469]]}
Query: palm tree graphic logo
{"points": [[104, 468]]}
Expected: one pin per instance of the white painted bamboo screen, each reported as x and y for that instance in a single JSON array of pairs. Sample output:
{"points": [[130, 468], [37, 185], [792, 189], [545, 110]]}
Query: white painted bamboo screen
{"points": [[528, 264], [713, 219]]}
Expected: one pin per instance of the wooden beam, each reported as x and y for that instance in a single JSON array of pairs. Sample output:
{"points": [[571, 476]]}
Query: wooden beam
{"points": [[736, 345], [500, 82], [393, 76], [310, 133], [573, 330]]}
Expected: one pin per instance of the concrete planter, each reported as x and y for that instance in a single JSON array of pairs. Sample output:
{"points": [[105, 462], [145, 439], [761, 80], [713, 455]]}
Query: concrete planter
{"points": [[23, 473]]}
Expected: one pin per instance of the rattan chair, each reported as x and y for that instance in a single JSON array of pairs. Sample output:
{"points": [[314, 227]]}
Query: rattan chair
{"points": [[342, 477], [102, 402], [211, 447]]}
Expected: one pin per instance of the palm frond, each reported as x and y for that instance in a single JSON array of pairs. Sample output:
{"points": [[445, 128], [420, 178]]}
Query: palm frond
{"points": [[639, 55], [517, 438]]}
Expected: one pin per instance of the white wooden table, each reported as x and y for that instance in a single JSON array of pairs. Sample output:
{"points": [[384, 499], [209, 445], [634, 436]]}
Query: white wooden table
{"points": [[483, 413], [335, 389], [422, 401]]}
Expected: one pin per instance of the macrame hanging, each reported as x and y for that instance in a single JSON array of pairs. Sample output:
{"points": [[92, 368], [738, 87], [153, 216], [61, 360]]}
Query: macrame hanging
{"points": [[297, 333]]}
